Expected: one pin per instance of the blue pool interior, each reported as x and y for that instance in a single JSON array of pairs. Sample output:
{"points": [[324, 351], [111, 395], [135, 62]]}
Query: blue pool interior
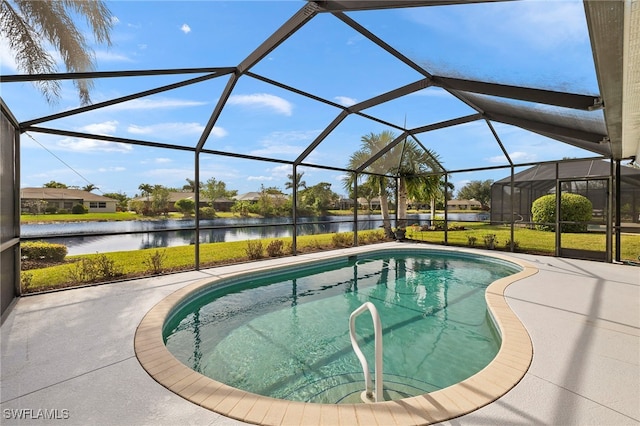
{"points": [[285, 333]]}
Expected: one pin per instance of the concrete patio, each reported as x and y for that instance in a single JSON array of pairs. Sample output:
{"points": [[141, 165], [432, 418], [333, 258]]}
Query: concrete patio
{"points": [[71, 352]]}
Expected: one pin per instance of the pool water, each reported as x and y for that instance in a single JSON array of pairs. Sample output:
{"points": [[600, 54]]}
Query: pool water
{"points": [[286, 334]]}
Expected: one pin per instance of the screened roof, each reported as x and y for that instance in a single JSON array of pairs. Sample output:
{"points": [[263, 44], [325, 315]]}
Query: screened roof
{"points": [[471, 98]]}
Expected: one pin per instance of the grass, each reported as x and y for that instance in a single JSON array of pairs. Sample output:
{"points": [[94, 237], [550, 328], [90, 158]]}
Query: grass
{"points": [[528, 240], [136, 263]]}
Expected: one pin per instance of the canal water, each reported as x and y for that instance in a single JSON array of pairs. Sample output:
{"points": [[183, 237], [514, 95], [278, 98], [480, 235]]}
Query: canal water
{"points": [[142, 234]]}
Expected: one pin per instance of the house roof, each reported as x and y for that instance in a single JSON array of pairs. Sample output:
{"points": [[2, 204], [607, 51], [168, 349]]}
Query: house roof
{"points": [[175, 196], [61, 194], [255, 196], [464, 202]]}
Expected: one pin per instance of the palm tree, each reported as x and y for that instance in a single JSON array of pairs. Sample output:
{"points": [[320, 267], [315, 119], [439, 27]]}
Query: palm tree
{"points": [[27, 24], [370, 145], [191, 185], [417, 178], [90, 187], [299, 182], [145, 190]]}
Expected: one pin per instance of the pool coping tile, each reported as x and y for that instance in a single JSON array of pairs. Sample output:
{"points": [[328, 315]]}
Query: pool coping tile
{"points": [[496, 379]]}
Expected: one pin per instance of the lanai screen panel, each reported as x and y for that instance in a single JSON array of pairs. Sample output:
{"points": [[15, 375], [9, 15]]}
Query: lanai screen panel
{"points": [[582, 177]]}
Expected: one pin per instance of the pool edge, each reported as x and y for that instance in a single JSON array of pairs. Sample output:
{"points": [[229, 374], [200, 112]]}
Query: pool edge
{"points": [[503, 373]]}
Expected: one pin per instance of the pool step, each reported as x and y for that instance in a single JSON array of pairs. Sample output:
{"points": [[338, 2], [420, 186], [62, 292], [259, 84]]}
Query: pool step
{"points": [[347, 389]]}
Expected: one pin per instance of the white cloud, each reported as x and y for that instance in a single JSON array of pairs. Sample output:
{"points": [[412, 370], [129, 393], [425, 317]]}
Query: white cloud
{"points": [[106, 128], [282, 170], [185, 28], [262, 101], [516, 157], [174, 129], [90, 145], [111, 169], [103, 55], [261, 178], [345, 100], [354, 39], [115, 20], [168, 173], [154, 103], [7, 60], [285, 143], [162, 160]]}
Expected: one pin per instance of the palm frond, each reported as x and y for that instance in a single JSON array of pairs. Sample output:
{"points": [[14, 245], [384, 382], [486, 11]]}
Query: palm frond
{"points": [[30, 55]]}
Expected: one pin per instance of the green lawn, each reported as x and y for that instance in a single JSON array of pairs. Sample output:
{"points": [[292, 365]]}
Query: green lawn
{"points": [[140, 262], [137, 263], [527, 240]]}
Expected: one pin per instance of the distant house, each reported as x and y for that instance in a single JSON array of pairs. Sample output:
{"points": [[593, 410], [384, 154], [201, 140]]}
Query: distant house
{"points": [[220, 204], [254, 197], [65, 199], [464, 205]]}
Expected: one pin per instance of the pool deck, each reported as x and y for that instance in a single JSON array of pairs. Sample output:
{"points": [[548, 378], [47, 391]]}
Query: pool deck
{"points": [[72, 352]]}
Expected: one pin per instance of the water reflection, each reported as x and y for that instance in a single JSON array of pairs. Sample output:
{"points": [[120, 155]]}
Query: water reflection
{"points": [[136, 237]]}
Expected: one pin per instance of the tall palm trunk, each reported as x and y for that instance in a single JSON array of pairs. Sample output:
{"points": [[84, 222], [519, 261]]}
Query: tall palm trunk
{"points": [[402, 203], [384, 209], [433, 212]]}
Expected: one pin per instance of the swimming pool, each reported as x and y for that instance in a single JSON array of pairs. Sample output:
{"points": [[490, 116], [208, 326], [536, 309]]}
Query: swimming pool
{"points": [[286, 335], [498, 377]]}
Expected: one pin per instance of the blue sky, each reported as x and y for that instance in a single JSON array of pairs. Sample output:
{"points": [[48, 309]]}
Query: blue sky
{"points": [[533, 43]]}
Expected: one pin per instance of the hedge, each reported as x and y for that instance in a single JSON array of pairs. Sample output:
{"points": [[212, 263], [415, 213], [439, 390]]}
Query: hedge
{"points": [[39, 251]]}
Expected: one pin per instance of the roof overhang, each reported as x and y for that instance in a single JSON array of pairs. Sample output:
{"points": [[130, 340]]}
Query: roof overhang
{"points": [[614, 28]]}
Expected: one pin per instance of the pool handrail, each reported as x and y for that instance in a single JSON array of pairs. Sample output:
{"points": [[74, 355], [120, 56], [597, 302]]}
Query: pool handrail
{"points": [[377, 330]]}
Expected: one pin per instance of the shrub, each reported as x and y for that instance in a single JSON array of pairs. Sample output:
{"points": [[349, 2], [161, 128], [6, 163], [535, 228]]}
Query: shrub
{"points": [[79, 209], [275, 248], [254, 250], [471, 240], [438, 224], [41, 251], [574, 208], [154, 262], [63, 211], [342, 239], [93, 269], [185, 205], [25, 279], [516, 245], [51, 210], [490, 241], [207, 213]]}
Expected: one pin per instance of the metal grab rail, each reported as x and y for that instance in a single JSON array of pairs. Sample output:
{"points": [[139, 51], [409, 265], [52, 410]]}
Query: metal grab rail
{"points": [[368, 395]]}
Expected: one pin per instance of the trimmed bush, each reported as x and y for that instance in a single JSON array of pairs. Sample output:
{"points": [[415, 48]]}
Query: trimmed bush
{"points": [[207, 213], [185, 205], [342, 239], [41, 251], [79, 209], [574, 207]]}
